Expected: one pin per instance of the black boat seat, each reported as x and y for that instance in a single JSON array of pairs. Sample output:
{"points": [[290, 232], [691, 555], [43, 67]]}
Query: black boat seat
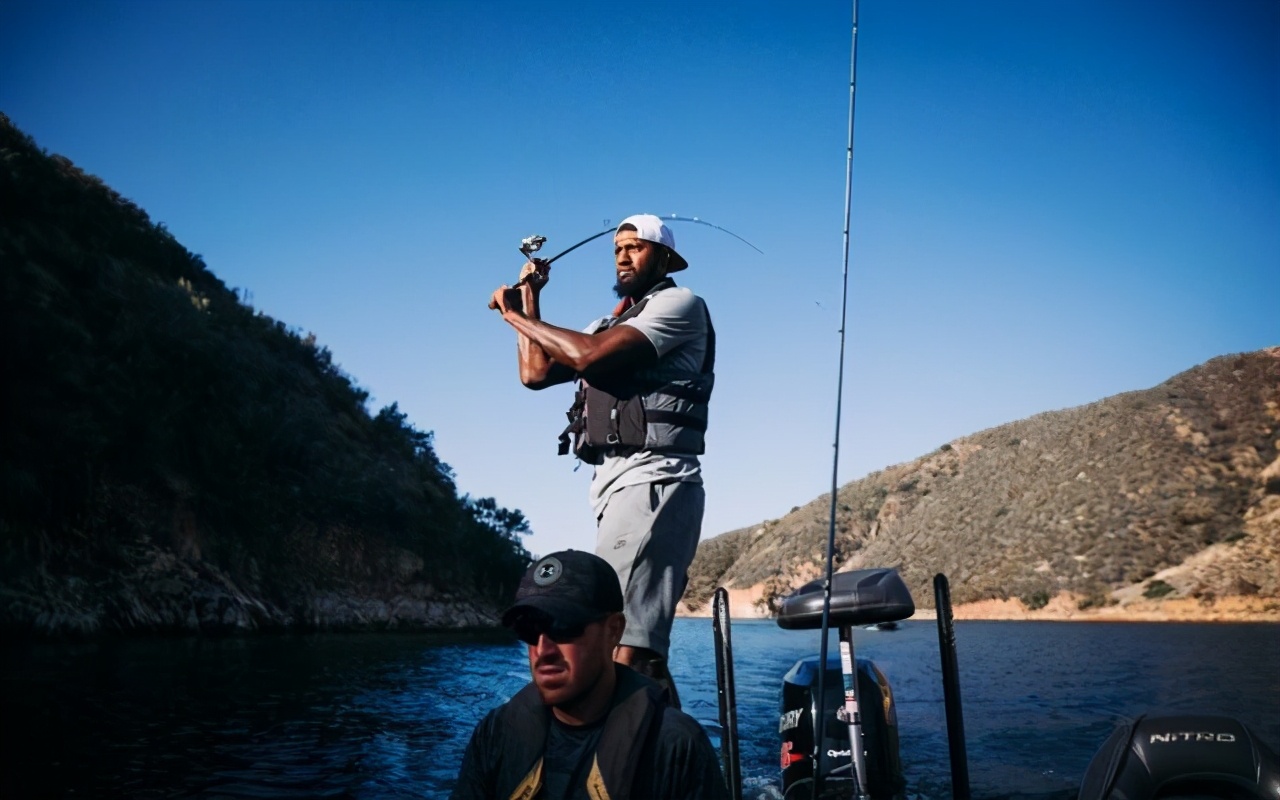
{"points": [[1182, 756], [858, 597]]}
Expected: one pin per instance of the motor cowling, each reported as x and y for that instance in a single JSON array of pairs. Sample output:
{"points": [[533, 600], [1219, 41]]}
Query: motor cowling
{"points": [[798, 731]]}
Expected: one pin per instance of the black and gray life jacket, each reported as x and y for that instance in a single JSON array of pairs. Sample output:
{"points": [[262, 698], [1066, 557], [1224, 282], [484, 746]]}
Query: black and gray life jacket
{"points": [[659, 409], [626, 744]]}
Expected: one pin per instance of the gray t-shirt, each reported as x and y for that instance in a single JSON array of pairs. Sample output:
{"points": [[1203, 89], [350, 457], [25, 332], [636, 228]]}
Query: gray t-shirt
{"points": [[675, 321]]}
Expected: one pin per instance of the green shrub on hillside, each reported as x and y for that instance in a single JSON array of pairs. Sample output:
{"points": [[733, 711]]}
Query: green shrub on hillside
{"points": [[1036, 600], [1157, 589]]}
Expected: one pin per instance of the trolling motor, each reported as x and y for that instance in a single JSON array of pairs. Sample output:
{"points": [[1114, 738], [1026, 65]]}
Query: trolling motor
{"points": [[845, 743]]}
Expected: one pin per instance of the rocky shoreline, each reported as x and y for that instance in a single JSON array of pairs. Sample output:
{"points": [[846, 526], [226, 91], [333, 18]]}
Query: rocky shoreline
{"points": [[162, 594], [1063, 608]]}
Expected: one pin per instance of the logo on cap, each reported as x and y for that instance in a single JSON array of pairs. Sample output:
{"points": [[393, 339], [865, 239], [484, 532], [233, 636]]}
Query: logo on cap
{"points": [[548, 572]]}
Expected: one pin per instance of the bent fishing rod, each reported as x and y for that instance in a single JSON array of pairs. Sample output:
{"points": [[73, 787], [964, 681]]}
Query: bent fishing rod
{"points": [[852, 713], [532, 244]]}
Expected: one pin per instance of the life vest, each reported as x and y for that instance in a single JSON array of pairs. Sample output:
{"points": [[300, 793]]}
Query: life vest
{"points": [[659, 409], [634, 719]]}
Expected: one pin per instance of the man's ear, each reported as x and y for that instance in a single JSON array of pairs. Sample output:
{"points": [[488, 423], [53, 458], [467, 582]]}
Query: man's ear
{"points": [[614, 625]]}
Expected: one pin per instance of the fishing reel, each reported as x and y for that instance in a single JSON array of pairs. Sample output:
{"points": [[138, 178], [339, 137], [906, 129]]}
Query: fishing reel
{"points": [[528, 246], [532, 244]]}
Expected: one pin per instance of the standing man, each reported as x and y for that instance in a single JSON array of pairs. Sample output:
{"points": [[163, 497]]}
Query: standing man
{"points": [[585, 727], [645, 375]]}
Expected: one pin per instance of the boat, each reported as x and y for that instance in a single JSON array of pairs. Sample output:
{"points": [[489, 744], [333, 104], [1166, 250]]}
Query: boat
{"points": [[838, 732], [837, 722]]}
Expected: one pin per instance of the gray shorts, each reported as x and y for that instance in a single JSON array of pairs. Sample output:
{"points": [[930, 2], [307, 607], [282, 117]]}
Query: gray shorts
{"points": [[649, 534]]}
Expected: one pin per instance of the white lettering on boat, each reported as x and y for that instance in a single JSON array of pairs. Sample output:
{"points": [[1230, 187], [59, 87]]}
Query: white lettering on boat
{"points": [[1192, 736]]}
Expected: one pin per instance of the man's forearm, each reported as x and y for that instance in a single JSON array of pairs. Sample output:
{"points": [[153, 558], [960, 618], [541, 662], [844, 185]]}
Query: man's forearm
{"points": [[542, 345], [570, 353], [537, 367]]}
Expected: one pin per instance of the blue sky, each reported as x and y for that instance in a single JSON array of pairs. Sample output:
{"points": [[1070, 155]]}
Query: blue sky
{"points": [[1053, 202]]}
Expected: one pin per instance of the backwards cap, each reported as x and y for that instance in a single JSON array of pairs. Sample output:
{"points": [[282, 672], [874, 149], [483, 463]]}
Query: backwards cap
{"points": [[653, 229]]}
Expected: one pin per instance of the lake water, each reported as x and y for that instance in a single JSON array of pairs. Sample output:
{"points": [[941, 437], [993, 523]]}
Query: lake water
{"points": [[388, 715]]}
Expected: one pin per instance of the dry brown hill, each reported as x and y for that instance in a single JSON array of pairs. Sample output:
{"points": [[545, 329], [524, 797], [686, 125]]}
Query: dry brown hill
{"points": [[1157, 495]]}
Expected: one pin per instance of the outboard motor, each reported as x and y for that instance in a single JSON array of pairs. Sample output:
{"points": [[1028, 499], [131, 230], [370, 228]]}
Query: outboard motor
{"points": [[1182, 757], [856, 753], [796, 725]]}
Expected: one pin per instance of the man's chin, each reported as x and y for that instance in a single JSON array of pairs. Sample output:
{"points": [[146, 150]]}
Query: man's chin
{"points": [[632, 289], [557, 693]]}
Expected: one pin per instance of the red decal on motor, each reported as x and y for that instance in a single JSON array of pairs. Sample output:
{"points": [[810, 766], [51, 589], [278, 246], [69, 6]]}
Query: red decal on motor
{"points": [[788, 757]]}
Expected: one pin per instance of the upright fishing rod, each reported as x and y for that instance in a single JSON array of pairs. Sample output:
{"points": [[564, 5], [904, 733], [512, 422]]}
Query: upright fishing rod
{"points": [[850, 703]]}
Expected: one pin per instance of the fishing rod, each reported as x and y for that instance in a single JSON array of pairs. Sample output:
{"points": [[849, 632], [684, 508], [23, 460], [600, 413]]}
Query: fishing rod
{"points": [[850, 698], [532, 244]]}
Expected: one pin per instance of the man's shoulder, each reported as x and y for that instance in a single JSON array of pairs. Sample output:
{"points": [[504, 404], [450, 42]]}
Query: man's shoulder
{"points": [[675, 302], [525, 702], [682, 295], [677, 725], [673, 723], [522, 715], [491, 724], [685, 764]]}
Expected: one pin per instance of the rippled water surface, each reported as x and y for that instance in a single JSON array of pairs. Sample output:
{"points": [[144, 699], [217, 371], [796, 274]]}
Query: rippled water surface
{"points": [[388, 715]]}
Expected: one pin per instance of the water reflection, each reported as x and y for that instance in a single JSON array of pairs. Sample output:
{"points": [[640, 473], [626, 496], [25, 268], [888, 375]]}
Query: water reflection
{"points": [[380, 716]]}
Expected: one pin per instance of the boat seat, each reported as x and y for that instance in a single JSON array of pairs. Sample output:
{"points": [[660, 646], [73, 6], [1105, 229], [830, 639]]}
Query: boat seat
{"points": [[858, 597], [1182, 756]]}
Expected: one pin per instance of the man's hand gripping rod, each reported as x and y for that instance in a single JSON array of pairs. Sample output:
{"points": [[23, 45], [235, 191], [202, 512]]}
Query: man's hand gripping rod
{"points": [[532, 244]]}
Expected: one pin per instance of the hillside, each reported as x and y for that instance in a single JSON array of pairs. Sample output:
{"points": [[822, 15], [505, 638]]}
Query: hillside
{"points": [[1166, 495], [172, 460]]}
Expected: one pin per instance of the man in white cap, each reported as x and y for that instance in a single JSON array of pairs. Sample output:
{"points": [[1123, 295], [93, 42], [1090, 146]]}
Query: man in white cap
{"points": [[645, 376]]}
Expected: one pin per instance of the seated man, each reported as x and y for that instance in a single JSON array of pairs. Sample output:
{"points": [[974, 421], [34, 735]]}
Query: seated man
{"points": [[585, 728]]}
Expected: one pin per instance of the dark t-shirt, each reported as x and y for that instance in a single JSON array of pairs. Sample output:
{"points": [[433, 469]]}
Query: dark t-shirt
{"points": [[684, 766], [567, 760]]}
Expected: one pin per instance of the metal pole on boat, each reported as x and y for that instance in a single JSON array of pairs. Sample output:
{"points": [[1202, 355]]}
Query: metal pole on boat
{"points": [[726, 693], [951, 688], [850, 706]]}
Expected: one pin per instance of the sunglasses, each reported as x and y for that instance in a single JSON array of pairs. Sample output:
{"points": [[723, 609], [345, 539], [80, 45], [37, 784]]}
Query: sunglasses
{"points": [[531, 627]]}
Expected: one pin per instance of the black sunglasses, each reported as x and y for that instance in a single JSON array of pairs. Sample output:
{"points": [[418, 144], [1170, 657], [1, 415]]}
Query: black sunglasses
{"points": [[531, 627]]}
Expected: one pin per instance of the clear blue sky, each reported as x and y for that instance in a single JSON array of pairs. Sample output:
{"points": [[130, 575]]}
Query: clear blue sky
{"points": [[1053, 201]]}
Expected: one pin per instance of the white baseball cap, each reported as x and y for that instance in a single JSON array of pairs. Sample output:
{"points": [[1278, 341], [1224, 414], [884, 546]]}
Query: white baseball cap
{"points": [[653, 229]]}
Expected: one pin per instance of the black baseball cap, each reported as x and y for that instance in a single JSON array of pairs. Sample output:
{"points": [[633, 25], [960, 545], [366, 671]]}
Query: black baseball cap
{"points": [[571, 587]]}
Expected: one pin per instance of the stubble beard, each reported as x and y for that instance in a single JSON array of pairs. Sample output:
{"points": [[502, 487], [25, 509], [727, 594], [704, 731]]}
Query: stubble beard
{"points": [[568, 703], [636, 289]]}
